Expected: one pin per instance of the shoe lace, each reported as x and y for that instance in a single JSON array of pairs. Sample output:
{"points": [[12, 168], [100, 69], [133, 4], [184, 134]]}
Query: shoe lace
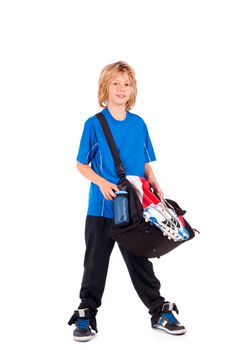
{"points": [[82, 324], [170, 317]]}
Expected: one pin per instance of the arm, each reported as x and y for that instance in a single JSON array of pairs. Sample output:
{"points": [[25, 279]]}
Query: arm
{"points": [[150, 176], [89, 173], [105, 186]]}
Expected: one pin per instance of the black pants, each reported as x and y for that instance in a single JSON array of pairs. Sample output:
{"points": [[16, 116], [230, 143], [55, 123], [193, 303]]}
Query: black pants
{"points": [[98, 250]]}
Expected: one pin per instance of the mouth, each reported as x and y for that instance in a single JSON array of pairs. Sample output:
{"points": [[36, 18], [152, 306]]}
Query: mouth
{"points": [[121, 96]]}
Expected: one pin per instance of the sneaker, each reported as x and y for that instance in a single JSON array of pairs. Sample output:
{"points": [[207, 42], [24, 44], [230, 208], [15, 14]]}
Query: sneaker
{"points": [[167, 321], [166, 220], [83, 330]]}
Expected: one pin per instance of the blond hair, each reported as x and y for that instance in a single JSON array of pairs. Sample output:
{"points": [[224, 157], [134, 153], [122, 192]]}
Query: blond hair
{"points": [[107, 74]]}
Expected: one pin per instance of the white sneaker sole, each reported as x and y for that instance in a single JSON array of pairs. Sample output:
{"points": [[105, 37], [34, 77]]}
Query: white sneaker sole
{"points": [[178, 332], [83, 339]]}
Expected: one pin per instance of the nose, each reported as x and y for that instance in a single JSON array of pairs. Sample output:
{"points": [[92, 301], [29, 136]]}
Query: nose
{"points": [[121, 87]]}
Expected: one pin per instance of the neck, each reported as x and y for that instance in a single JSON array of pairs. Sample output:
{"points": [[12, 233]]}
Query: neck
{"points": [[118, 112]]}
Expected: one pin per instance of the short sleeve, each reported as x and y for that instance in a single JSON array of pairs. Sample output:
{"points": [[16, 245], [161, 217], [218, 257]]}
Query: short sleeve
{"points": [[148, 148], [88, 144]]}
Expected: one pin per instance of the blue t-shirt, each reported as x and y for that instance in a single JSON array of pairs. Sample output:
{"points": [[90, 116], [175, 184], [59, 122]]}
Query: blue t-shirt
{"points": [[133, 144]]}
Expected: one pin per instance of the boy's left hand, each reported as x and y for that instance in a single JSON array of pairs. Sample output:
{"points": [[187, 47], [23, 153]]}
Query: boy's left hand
{"points": [[157, 189]]}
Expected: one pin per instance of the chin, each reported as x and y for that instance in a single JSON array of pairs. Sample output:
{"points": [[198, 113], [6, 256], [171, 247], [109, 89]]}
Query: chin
{"points": [[121, 102]]}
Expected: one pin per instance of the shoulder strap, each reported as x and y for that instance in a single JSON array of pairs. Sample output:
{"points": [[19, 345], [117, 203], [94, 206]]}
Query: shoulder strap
{"points": [[136, 208], [107, 132]]}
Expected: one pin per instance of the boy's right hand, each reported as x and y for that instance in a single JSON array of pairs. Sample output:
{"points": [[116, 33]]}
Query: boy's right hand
{"points": [[107, 188]]}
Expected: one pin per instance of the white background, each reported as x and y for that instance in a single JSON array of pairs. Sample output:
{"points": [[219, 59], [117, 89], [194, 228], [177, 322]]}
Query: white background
{"points": [[51, 55]]}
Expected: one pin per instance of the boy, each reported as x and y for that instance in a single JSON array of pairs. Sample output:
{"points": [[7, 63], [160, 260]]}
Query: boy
{"points": [[117, 94]]}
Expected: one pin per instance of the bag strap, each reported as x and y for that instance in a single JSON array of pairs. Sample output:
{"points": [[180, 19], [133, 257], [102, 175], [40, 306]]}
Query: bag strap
{"points": [[136, 209], [107, 132]]}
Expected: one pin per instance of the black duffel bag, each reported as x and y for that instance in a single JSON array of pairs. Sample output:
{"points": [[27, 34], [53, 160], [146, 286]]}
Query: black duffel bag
{"points": [[139, 236]]}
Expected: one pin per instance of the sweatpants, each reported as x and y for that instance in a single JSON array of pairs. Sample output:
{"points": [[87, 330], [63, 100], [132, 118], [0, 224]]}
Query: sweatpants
{"points": [[96, 261]]}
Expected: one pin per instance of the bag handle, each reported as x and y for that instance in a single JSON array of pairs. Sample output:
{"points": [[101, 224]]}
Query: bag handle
{"points": [[107, 132]]}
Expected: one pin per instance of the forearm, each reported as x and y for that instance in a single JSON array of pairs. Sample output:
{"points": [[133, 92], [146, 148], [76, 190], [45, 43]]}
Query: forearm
{"points": [[89, 173], [149, 174]]}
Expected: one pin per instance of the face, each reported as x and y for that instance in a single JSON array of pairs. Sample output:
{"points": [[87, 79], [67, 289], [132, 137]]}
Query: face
{"points": [[120, 89]]}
